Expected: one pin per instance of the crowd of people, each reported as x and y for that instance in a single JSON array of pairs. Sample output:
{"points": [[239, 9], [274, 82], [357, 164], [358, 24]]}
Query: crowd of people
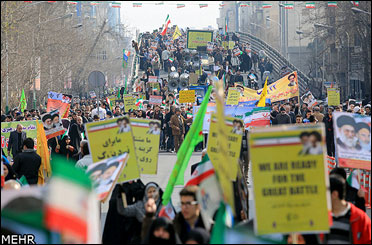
{"points": [[136, 219]]}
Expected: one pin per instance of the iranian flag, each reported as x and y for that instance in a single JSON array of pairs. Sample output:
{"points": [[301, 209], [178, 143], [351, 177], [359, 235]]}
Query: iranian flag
{"points": [[288, 6], [203, 171], [72, 2], [137, 5], [221, 5], [180, 6], [310, 5], [353, 180], [203, 5], [116, 5], [332, 4], [259, 116], [167, 22], [355, 3], [244, 5], [267, 5], [67, 201], [94, 3], [139, 102], [168, 211]]}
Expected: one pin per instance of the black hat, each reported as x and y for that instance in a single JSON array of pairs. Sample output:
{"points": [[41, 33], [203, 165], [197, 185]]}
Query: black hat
{"points": [[282, 109], [45, 117], [54, 115], [362, 125], [345, 120]]}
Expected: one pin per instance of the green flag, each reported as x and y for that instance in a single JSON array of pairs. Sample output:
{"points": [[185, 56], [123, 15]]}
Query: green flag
{"points": [[193, 137], [125, 88], [118, 95], [23, 101], [23, 181]]}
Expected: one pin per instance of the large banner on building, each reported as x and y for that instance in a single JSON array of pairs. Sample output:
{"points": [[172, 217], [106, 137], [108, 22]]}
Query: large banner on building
{"points": [[196, 38], [291, 186], [110, 138], [29, 127], [285, 88], [352, 140]]}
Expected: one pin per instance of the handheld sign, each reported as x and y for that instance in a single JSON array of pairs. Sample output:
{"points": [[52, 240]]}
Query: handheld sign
{"points": [[290, 182], [187, 96]]}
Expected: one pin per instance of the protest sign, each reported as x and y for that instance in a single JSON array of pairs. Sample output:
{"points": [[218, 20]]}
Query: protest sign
{"points": [[233, 97], [146, 135], [290, 182], [237, 51], [52, 124], [155, 100], [235, 130], [112, 138], [285, 88], [198, 38], [104, 174], [129, 102], [309, 99], [187, 96], [333, 95], [210, 46], [352, 140], [153, 79], [231, 44], [92, 94], [29, 127], [225, 45], [60, 102]]}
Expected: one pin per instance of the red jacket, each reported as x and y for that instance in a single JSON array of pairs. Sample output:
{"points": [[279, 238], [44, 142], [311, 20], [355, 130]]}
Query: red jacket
{"points": [[360, 226]]}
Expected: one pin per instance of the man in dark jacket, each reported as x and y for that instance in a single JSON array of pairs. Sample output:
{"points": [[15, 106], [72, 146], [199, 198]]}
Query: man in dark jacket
{"points": [[16, 140], [189, 217], [283, 117], [328, 121], [28, 162]]}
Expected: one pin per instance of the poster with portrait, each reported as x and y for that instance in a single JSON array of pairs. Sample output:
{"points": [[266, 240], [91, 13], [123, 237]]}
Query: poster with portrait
{"points": [[352, 140], [52, 124], [291, 185], [146, 135], [110, 138], [309, 99], [60, 102], [104, 174]]}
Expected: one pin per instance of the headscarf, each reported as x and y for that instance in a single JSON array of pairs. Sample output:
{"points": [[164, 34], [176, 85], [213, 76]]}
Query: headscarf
{"points": [[63, 145], [199, 235], [168, 226], [11, 173]]}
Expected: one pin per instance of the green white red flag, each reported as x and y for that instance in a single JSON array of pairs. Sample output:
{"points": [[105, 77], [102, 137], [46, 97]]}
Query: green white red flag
{"points": [[203, 171], [167, 22], [310, 5]]}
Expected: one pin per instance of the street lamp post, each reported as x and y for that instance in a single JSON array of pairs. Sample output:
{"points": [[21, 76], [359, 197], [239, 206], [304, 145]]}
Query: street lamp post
{"points": [[299, 47], [280, 28], [33, 40]]}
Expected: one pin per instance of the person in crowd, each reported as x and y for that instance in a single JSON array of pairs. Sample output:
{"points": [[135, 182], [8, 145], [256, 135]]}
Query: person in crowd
{"points": [[27, 163], [274, 113], [101, 110], [254, 58], [76, 131], [86, 160], [16, 139], [177, 123], [353, 195], [66, 149], [198, 236], [161, 231], [318, 115], [350, 224], [153, 193], [283, 117], [290, 113], [8, 171], [328, 121], [170, 141]]}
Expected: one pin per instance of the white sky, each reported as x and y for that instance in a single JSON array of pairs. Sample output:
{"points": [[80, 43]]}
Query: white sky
{"points": [[151, 16]]}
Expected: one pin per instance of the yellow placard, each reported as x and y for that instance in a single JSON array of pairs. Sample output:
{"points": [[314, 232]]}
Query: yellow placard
{"points": [[187, 96], [146, 135], [111, 138], [233, 97], [290, 182], [129, 102], [235, 130], [333, 96], [218, 149], [231, 44], [285, 88], [225, 44], [197, 38]]}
